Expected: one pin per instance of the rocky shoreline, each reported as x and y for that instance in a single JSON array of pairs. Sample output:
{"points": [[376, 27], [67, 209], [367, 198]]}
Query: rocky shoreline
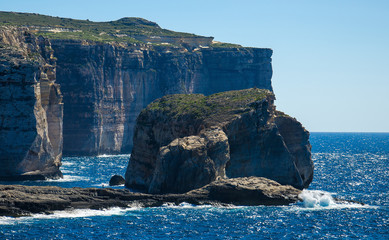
{"points": [[18, 200]]}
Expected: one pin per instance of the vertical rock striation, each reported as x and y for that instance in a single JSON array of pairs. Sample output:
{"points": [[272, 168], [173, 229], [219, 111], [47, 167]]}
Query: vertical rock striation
{"points": [[30, 108], [105, 86]]}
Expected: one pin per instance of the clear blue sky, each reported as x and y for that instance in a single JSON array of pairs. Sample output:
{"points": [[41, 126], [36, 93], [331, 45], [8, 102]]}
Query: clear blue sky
{"points": [[330, 61]]}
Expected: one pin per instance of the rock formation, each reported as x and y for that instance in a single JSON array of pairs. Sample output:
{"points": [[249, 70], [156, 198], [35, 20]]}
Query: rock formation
{"points": [[105, 86], [110, 71], [116, 180], [183, 142], [30, 107], [19, 200]]}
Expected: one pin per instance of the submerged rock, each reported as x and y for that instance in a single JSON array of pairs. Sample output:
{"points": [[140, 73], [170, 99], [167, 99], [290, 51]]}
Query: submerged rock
{"points": [[17, 200], [183, 142]]}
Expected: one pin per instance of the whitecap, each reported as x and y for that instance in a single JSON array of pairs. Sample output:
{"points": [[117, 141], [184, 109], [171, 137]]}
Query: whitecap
{"points": [[355, 183], [185, 205], [74, 213], [103, 185], [69, 178], [65, 163], [321, 200]]}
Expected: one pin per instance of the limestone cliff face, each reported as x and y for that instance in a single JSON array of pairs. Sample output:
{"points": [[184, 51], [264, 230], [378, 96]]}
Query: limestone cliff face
{"points": [[105, 86], [30, 107], [229, 134]]}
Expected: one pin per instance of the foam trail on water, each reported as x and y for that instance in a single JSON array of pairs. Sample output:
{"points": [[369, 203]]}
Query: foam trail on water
{"points": [[68, 178], [185, 205], [76, 213]]}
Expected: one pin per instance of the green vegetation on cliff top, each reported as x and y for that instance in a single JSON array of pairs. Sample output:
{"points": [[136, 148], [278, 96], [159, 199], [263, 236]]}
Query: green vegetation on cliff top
{"points": [[122, 30], [207, 107]]}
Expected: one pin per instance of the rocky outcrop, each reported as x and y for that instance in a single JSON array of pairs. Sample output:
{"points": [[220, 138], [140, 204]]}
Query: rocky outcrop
{"points": [[233, 134], [105, 86], [25, 200], [30, 108]]}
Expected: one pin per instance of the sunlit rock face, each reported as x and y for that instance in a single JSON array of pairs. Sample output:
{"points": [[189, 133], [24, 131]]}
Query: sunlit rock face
{"points": [[31, 108], [185, 141], [105, 86]]}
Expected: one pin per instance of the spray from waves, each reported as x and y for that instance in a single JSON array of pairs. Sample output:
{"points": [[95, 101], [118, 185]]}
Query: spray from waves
{"points": [[76, 213], [318, 200], [184, 205], [68, 178]]}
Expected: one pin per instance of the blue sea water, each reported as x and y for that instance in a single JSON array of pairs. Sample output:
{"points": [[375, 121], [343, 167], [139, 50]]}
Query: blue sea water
{"points": [[351, 166]]}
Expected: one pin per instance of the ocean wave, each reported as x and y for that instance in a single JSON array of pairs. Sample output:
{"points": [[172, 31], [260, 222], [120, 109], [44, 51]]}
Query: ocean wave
{"points": [[184, 205], [67, 163], [69, 178], [321, 200], [76, 213], [105, 185]]}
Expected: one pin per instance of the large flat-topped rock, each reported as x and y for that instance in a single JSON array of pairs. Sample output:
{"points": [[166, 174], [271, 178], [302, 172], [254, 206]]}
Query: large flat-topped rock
{"points": [[17, 200], [185, 141]]}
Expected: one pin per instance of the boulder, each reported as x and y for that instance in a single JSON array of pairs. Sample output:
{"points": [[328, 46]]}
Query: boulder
{"points": [[249, 191], [116, 180]]}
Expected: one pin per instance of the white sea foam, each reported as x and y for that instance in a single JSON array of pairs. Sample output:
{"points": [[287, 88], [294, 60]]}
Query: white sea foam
{"points": [[318, 200], [117, 155], [76, 213], [69, 178], [104, 185], [184, 205], [65, 163]]}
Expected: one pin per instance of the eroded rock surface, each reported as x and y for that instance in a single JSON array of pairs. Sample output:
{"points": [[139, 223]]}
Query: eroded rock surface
{"points": [[16, 200], [106, 86], [30, 108], [259, 141], [191, 162]]}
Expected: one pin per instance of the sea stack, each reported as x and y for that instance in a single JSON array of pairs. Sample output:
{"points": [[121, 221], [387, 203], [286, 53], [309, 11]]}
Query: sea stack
{"points": [[186, 141]]}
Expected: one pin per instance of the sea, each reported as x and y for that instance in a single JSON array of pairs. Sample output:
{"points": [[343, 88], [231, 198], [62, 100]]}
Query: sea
{"points": [[351, 166]]}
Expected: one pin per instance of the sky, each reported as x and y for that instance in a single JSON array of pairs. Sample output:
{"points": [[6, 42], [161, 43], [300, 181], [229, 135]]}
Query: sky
{"points": [[330, 60]]}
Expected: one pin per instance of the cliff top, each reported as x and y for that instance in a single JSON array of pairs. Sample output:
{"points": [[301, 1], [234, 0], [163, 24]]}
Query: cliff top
{"points": [[218, 107], [128, 30]]}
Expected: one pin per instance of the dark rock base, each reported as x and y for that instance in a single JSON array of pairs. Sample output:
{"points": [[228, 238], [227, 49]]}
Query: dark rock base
{"points": [[33, 176], [17, 200]]}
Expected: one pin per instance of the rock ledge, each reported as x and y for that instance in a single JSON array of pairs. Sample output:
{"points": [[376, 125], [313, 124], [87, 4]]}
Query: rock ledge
{"points": [[17, 200]]}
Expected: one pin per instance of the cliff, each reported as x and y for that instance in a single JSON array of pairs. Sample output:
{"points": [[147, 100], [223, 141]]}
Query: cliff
{"points": [[30, 107], [110, 71], [183, 142], [106, 86]]}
